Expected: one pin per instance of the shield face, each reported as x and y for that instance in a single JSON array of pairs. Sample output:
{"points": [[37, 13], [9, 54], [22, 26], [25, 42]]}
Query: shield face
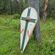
{"points": [[28, 21]]}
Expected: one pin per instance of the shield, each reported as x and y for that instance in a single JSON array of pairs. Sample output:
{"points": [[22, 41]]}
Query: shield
{"points": [[28, 21]]}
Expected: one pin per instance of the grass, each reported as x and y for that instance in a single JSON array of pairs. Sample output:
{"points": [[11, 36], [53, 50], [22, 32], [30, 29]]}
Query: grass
{"points": [[9, 38]]}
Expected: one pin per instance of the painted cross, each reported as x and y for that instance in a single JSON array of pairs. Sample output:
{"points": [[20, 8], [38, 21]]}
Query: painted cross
{"points": [[27, 19]]}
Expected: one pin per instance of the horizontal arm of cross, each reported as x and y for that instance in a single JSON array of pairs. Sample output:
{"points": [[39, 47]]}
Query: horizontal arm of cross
{"points": [[28, 19]]}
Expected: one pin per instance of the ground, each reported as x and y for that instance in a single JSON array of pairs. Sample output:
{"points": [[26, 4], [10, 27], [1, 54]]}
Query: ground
{"points": [[10, 35]]}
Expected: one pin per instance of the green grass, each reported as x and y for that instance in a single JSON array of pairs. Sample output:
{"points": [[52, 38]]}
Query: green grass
{"points": [[9, 38]]}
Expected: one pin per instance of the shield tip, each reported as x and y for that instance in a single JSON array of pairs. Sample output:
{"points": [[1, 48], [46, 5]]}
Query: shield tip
{"points": [[21, 51]]}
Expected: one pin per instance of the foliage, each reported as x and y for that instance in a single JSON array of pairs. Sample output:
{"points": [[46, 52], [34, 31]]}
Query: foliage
{"points": [[16, 16], [17, 6], [9, 38], [12, 6], [51, 8], [9, 6]]}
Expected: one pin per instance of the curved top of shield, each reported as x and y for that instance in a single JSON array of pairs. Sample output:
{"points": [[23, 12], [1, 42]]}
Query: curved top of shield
{"points": [[29, 13]]}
